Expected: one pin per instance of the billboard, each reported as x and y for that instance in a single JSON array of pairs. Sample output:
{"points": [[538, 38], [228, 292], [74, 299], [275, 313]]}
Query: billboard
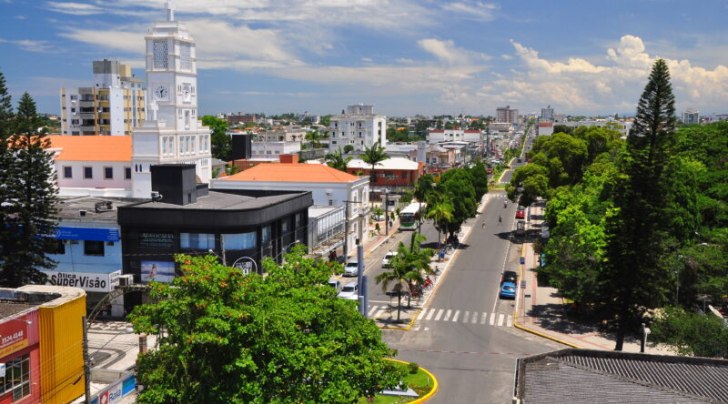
{"points": [[159, 271]]}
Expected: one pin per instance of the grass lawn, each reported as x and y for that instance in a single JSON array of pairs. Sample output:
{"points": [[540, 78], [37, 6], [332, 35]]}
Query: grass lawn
{"points": [[420, 382]]}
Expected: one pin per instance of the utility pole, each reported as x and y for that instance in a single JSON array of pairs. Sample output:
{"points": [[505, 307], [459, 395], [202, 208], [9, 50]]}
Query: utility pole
{"points": [[346, 231], [86, 364]]}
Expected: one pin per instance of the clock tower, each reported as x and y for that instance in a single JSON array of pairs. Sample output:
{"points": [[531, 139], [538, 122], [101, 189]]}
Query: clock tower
{"points": [[171, 134]]}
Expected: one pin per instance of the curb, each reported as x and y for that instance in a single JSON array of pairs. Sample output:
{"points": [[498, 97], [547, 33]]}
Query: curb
{"points": [[435, 384]]}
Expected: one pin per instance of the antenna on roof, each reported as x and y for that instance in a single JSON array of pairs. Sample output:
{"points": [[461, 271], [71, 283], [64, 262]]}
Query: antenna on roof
{"points": [[170, 11]]}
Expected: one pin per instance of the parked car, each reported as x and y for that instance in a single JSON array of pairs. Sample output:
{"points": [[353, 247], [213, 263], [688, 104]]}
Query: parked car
{"points": [[334, 283], [350, 291], [387, 260], [509, 276], [521, 213], [351, 268], [507, 290]]}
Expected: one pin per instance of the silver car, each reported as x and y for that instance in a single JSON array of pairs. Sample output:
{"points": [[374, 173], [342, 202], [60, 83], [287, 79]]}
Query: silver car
{"points": [[387, 260], [350, 291], [351, 268]]}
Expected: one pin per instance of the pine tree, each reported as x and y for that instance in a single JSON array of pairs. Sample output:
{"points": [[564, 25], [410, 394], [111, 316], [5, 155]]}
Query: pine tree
{"points": [[33, 199], [637, 229], [6, 122]]}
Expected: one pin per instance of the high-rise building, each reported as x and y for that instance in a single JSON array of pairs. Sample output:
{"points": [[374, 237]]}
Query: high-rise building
{"points": [[691, 117], [115, 105], [547, 114], [358, 126], [171, 134], [506, 114]]}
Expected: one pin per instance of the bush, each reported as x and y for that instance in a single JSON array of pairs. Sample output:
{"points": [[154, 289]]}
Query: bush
{"points": [[413, 367]]}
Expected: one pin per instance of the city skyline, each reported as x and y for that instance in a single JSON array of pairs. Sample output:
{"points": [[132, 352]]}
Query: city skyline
{"points": [[404, 57]]}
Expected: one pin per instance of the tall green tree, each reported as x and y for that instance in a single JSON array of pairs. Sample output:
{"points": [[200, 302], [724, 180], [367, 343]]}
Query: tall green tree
{"points": [[314, 138], [636, 227], [441, 211], [337, 160], [690, 333], [221, 143], [6, 175], [34, 200], [458, 187], [373, 156], [226, 337]]}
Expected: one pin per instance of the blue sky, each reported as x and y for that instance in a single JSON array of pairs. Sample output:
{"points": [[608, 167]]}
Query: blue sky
{"points": [[404, 56]]}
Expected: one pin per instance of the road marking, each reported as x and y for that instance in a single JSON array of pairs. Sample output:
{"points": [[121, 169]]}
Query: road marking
{"points": [[439, 314], [372, 310], [475, 318], [381, 312], [447, 315], [422, 314], [500, 320], [509, 323], [432, 311], [492, 318], [485, 317], [466, 316], [455, 317]]}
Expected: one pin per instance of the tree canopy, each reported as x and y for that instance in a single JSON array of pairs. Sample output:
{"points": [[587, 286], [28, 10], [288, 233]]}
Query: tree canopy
{"points": [[284, 338], [221, 143]]}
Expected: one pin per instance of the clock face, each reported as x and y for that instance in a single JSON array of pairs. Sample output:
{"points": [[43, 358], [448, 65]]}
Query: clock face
{"points": [[161, 92]]}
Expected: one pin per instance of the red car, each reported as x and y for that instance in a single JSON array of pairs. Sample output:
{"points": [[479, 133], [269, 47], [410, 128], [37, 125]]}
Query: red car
{"points": [[521, 213]]}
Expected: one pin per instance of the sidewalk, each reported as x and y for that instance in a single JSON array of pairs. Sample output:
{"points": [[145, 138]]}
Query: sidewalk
{"points": [[541, 311]]}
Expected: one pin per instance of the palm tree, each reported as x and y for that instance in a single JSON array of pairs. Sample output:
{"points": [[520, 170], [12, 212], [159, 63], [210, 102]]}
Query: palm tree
{"points": [[441, 212], [337, 160], [314, 138], [374, 155]]}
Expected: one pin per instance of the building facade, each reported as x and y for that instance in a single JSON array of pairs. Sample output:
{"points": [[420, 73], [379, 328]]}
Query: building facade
{"points": [[453, 135], [359, 127], [172, 134], [691, 117], [114, 106], [547, 114], [506, 114]]}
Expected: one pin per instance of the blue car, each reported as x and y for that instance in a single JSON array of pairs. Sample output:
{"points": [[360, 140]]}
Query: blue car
{"points": [[507, 290]]}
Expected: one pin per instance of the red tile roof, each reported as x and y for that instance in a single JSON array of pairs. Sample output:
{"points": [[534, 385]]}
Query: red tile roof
{"points": [[292, 173], [92, 148]]}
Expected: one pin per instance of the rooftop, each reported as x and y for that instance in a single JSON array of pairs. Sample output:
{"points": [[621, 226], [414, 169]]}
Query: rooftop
{"points": [[97, 209], [395, 163], [285, 172], [92, 148], [229, 200]]}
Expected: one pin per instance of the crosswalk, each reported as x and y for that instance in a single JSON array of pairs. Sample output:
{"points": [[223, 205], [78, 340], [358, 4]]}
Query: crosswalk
{"points": [[450, 315]]}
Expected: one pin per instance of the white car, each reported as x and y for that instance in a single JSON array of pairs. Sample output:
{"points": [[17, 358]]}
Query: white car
{"points": [[350, 291], [351, 268], [387, 260]]}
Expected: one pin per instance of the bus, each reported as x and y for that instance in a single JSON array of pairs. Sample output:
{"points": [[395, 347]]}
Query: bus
{"points": [[410, 217]]}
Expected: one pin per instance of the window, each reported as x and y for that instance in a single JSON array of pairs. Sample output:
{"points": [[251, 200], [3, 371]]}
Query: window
{"points": [[88, 173], [185, 56], [109, 173], [93, 248], [160, 54], [55, 246], [67, 172], [404, 175], [331, 202], [266, 234], [244, 241], [195, 241], [17, 377], [127, 173]]}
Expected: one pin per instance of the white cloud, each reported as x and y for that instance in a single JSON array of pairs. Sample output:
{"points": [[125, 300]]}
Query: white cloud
{"points": [[474, 10], [447, 52], [32, 45], [74, 8]]}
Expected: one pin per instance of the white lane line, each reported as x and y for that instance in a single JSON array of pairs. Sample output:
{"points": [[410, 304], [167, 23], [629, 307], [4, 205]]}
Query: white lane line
{"points": [[381, 312], [422, 314], [439, 314], [372, 310], [509, 323], [483, 318], [466, 316], [447, 315], [475, 318], [500, 320], [455, 317], [429, 316], [492, 318]]}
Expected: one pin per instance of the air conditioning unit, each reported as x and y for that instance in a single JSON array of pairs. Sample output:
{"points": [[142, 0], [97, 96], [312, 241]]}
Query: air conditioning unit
{"points": [[126, 280]]}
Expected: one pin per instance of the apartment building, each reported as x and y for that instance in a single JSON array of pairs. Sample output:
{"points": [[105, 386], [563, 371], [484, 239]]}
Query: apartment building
{"points": [[359, 127], [506, 114], [114, 106]]}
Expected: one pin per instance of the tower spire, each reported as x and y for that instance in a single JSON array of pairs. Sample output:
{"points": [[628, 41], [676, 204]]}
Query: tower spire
{"points": [[170, 11]]}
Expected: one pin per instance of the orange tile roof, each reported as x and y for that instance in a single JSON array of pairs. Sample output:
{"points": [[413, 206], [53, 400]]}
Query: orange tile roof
{"points": [[292, 173], [92, 148]]}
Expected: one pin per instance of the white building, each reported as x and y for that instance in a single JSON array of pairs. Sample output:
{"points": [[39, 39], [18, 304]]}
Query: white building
{"points": [[172, 134], [453, 135], [359, 127], [272, 150], [114, 106], [691, 117]]}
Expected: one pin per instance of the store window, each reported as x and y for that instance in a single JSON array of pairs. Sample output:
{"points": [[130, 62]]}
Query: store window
{"points": [[243, 241], [55, 246], [195, 241], [266, 234], [93, 248], [16, 377]]}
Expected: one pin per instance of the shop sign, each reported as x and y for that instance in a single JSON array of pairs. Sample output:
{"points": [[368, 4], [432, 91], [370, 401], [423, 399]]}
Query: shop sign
{"points": [[156, 240], [13, 336], [90, 234], [90, 282], [111, 396]]}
